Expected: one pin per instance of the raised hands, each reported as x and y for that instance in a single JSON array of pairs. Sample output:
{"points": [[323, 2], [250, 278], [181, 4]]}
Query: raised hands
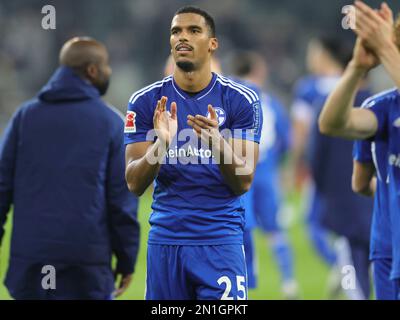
{"points": [[377, 32], [363, 58], [165, 122], [206, 128], [374, 27]]}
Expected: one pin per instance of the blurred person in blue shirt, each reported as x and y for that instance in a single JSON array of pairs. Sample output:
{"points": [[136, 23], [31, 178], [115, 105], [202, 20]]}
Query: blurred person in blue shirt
{"points": [[263, 202], [324, 71], [347, 215], [326, 58]]}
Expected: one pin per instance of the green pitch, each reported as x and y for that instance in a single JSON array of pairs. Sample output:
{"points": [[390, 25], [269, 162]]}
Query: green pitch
{"points": [[310, 271]]}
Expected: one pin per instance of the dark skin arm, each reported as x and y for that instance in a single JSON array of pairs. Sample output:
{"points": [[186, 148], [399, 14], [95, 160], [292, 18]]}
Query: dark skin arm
{"points": [[139, 172], [143, 159], [123, 282], [236, 158], [363, 180]]}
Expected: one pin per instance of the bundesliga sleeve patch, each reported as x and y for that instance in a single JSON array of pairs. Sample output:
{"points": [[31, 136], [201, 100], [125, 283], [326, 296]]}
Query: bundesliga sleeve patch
{"points": [[256, 118], [130, 122]]}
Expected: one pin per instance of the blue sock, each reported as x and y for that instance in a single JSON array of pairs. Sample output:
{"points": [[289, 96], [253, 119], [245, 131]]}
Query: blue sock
{"points": [[283, 254], [320, 240]]}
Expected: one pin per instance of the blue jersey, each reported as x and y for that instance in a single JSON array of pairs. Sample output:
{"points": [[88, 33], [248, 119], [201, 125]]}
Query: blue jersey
{"points": [[247, 198], [386, 107], [307, 92], [192, 204], [274, 143], [275, 140], [248, 204], [264, 194], [366, 151], [331, 169]]}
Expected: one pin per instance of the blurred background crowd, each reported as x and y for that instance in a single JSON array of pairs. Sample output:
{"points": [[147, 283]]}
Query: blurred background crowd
{"points": [[136, 33]]}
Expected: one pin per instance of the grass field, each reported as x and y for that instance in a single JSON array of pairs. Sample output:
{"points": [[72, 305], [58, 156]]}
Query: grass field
{"points": [[309, 269]]}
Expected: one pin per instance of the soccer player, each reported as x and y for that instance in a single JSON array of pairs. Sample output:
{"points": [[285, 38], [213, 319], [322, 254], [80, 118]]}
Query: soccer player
{"points": [[62, 169], [377, 42], [342, 212], [370, 182], [174, 138], [331, 166], [251, 68], [326, 58], [324, 55], [324, 71], [247, 198]]}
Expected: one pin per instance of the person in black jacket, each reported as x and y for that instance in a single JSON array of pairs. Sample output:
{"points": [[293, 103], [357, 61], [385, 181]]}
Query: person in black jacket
{"points": [[62, 169]]}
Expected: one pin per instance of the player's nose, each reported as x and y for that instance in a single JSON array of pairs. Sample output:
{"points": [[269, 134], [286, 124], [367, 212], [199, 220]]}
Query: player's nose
{"points": [[183, 36]]}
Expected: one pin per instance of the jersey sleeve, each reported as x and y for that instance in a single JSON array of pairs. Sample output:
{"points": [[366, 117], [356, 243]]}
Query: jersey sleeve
{"points": [[247, 118], [380, 111], [138, 120], [302, 106], [362, 151], [283, 127]]}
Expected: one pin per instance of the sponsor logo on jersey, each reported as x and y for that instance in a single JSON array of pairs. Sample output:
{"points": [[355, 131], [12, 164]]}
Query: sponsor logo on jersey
{"points": [[190, 151], [130, 122], [221, 115]]}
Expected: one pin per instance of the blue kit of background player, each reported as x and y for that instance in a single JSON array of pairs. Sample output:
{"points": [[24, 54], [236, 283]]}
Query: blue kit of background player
{"points": [[265, 191], [340, 210], [385, 106], [308, 92], [366, 151]]}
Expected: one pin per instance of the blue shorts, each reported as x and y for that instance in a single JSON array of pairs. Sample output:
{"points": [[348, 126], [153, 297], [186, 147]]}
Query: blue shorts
{"points": [[196, 272], [397, 289], [384, 287], [249, 250]]}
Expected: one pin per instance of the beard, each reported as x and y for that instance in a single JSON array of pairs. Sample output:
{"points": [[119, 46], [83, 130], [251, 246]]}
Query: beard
{"points": [[103, 87], [186, 66]]}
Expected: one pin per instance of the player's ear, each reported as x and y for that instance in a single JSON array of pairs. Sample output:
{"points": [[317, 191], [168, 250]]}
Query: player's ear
{"points": [[92, 71], [213, 45]]}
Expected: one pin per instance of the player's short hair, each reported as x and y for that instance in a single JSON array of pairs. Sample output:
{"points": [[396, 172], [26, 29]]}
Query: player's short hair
{"points": [[244, 62], [339, 48], [207, 17], [397, 31]]}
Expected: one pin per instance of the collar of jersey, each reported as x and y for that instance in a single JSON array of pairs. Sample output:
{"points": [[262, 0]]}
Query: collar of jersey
{"points": [[201, 94]]}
